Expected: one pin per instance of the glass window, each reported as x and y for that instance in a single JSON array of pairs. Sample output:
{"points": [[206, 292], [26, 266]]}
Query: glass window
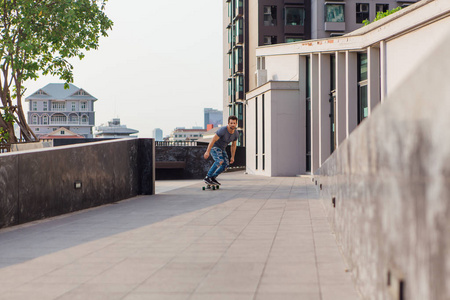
{"points": [[381, 7], [295, 16], [73, 106], [270, 39], [83, 106], [240, 27], [291, 39], [45, 104], [334, 13], [270, 15], [363, 110], [238, 55], [240, 83], [362, 66], [35, 105], [362, 102], [45, 120], [362, 12], [34, 120]]}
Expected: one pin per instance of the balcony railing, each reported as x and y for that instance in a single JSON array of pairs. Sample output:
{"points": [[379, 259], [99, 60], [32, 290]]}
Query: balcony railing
{"points": [[60, 123]]}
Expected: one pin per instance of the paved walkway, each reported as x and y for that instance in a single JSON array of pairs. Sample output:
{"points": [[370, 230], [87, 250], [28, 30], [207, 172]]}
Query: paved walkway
{"points": [[255, 238]]}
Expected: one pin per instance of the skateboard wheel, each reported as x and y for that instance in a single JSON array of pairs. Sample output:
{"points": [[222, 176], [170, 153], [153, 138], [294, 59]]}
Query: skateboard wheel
{"points": [[217, 187], [203, 188], [213, 188]]}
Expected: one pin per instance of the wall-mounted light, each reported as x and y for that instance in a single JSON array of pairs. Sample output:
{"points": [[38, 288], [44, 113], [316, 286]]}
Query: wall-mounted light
{"points": [[77, 185]]}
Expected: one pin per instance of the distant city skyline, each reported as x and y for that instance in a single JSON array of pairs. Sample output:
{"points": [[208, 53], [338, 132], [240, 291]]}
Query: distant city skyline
{"points": [[145, 76]]}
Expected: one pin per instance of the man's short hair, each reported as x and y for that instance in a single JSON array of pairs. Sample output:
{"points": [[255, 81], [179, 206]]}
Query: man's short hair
{"points": [[232, 118]]}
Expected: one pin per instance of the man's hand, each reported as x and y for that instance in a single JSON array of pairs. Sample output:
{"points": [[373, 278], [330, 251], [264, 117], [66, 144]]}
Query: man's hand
{"points": [[232, 160], [206, 155]]}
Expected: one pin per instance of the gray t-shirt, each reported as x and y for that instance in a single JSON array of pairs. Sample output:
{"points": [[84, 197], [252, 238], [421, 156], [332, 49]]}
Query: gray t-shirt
{"points": [[225, 137]]}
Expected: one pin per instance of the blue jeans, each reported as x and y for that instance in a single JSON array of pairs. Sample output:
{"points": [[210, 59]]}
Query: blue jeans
{"points": [[221, 162]]}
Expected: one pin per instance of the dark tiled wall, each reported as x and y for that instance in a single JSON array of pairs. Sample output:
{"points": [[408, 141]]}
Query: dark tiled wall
{"points": [[41, 184]]}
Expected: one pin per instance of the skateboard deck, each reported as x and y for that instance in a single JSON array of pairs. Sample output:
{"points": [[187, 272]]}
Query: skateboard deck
{"points": [[210, 187]]}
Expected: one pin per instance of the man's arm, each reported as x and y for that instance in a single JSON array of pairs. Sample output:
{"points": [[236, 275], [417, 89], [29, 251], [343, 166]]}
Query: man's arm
{"points": [[211, 144], [233, 151]]}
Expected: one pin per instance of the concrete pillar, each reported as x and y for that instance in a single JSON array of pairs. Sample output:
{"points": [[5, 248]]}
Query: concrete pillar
{"points": [[324, 107], [302, 114], [315, 100], [351, 91], [383, 71], [341, 99], [373, 76]]}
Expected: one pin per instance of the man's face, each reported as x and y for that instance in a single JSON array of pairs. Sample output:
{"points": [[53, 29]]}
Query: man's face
{"points": [[232, 124]]}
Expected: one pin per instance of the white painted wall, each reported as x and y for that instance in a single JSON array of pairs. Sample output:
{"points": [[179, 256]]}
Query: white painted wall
{"points": [[404, 54]]}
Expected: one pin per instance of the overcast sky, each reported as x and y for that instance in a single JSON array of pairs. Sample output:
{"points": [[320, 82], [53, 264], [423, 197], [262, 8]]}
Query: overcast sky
{"points": [[159, 67]]}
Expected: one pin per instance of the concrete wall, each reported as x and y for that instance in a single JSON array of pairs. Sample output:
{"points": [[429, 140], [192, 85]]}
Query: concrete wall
{"points": [[284, 130], [390, 182], [41, 183]]}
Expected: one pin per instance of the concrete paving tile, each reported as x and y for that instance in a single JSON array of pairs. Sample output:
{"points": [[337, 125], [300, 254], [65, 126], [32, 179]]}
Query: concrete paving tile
{"points": [[38, 291], [89, 295], [230, 277], [157, 296], [222, 296], [339, 292], [290, 272], [94, 288], [287, 296], [288, 287]]}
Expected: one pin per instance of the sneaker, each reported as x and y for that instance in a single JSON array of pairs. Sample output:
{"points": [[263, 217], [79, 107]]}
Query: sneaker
{"points": [[208, 180], [213, 179]]}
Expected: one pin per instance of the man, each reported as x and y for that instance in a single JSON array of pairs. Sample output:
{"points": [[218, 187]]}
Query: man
{"points": [[216, 148]]}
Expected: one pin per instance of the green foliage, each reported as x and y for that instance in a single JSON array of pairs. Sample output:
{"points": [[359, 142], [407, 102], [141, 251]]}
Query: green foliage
{"points": [[39, 37], [381, 15], [9, 118], [42, 35]]}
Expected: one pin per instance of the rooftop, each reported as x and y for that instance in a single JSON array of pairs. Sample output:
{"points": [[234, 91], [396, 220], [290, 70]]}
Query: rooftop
{"points": [[255, 238]]}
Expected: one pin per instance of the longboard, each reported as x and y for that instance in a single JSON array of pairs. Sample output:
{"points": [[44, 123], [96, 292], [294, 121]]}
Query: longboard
{"points": [[210, 187]]}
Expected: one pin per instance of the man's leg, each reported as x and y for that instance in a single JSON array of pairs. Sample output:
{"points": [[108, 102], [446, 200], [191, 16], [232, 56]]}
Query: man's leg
{"points": [[224, 163], [216, 154]]}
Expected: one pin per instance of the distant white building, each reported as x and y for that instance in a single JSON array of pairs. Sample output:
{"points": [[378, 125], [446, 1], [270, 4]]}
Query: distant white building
{"points": [[114, 130], [181, 134], [53, 107]]}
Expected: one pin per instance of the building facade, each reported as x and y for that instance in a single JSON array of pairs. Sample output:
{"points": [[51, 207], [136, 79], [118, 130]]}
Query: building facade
{"points": [[249, 24], [336, 17], [315, 93], [213, 116], [182, 134], [53, 106]]}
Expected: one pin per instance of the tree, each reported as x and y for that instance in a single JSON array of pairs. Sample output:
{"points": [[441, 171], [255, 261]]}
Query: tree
{"points": [[38, 37]]}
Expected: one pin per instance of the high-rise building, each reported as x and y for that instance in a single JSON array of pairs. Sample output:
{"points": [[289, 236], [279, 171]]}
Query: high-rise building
{"points": [[158, 134], [247, 25], [213, 116]]}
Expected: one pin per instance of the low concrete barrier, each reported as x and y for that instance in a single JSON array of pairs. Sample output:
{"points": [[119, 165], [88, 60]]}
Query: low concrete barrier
{"points": [[195, 166], [48, 182], [387, 189]]}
